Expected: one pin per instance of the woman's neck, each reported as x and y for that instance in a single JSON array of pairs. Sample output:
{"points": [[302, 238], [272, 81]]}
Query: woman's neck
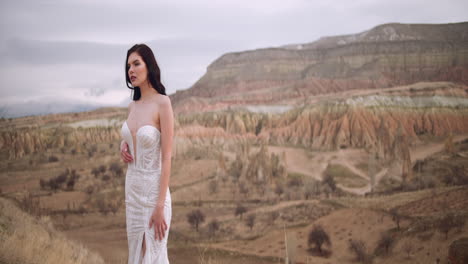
{"points": [[147, 91]]}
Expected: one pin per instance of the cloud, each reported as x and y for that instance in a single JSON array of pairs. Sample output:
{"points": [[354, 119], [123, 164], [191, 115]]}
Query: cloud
{"points": [[61, 47]]}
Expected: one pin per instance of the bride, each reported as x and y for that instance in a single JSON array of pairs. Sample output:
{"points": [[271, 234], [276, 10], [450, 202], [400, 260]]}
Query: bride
{"points": [[147, 147]]}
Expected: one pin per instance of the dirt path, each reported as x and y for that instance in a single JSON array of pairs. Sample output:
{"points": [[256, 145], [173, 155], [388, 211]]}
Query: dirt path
{"points": [[313, 163], [271, 208], [424, 151]]}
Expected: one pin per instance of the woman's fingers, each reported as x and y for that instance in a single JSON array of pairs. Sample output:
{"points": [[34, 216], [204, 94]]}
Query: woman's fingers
{"points": [[161, 232], [126, 156], [158, 231]]}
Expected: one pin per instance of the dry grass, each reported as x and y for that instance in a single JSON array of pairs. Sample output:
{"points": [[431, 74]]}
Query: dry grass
{"points": [[386, 202], [344, 176], [25, 239]]}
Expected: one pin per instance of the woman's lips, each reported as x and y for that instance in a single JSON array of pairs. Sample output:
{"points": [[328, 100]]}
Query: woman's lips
{"points": [[132, 78]]}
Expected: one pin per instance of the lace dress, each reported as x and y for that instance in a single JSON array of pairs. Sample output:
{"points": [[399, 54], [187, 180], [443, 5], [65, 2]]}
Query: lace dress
{"points": [[141, 194]]}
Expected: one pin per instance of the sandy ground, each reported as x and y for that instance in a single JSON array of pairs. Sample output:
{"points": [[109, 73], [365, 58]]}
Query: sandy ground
{"points": [[313, 163], [362, 224]]}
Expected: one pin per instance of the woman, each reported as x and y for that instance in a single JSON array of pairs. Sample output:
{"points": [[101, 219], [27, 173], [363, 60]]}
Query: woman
{"points": [[146, 147]]}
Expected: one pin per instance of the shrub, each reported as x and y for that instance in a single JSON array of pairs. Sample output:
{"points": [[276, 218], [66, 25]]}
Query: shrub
{"points": [[213, 226], [330, 181], [213, 186], [359, 249], [384, 244], [43, 184], [250, 221], [71, 184], [116, 169], [450, 221], [295, 182], [195, 217], [279, 190], [318, 237], [240, 210], [102, 168], [95, 172], [53, 158], [106, 177]]}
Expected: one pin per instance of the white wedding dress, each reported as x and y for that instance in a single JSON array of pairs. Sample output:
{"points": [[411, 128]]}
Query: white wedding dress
{"points": [[141, 194]]}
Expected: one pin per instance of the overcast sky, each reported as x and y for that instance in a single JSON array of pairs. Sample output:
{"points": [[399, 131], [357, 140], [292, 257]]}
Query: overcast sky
{"points": [[73, 51]]}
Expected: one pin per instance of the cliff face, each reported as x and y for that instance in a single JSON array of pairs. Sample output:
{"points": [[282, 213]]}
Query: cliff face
{"points": [[21, 142], [381, 120], [385, 56]]}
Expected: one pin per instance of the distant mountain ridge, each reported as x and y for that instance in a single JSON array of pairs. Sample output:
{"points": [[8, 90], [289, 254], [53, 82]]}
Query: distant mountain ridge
{"points": [[386, 56], [455, 32]]}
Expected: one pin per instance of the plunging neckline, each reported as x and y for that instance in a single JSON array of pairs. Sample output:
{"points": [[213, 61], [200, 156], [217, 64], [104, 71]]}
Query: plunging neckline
{"points": [[140, 128], [136, 135]]}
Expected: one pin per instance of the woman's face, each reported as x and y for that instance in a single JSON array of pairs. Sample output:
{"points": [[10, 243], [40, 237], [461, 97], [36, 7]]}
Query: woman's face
{"points": [[137, 71]]}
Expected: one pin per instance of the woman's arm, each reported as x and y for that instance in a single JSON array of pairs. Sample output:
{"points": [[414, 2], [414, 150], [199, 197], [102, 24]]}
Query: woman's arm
{"points": [[124, 151], [167, 132]]}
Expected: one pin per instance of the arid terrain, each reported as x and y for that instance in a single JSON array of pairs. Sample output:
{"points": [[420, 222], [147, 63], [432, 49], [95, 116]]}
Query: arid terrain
{"points": [[367, 164]]}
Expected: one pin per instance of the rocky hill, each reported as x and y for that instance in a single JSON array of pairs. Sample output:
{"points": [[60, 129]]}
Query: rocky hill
{"points": [[385, 56]]}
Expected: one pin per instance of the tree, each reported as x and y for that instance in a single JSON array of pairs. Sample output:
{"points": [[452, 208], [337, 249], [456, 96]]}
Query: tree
{"points": [[396, 217], [43, 184], [53, 158], [250, 221], [240, 210], [195, 217], [243, 188], [114, 206], [213, 226], [102, 168], [106, 177], [385, 242], [102, 206], [236, 168], [95, 172], [311, 188], [273, 216], [372, 168], [62, 178], [213, 186], [449, 148], [279, 190], [358, 247], [318, 237], [116, 169], [450, 221], [408, 248], [71, 184], [53, 184], [330, 181]]}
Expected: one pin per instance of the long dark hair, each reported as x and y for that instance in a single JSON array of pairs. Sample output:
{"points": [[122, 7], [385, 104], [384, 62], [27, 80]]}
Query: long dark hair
{"points": [[154, 74]]}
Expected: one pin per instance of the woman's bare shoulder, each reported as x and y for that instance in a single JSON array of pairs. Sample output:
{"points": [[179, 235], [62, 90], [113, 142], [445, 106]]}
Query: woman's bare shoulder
{"points": [[163, 100]]}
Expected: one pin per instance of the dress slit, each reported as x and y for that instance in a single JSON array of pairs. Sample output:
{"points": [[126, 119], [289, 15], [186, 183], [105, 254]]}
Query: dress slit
{"points": [[138, 257], [147, 258]]}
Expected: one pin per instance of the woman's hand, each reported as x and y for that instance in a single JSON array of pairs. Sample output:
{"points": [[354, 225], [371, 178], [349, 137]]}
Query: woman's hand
{"points": [[124, 152], [157, 220]]}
